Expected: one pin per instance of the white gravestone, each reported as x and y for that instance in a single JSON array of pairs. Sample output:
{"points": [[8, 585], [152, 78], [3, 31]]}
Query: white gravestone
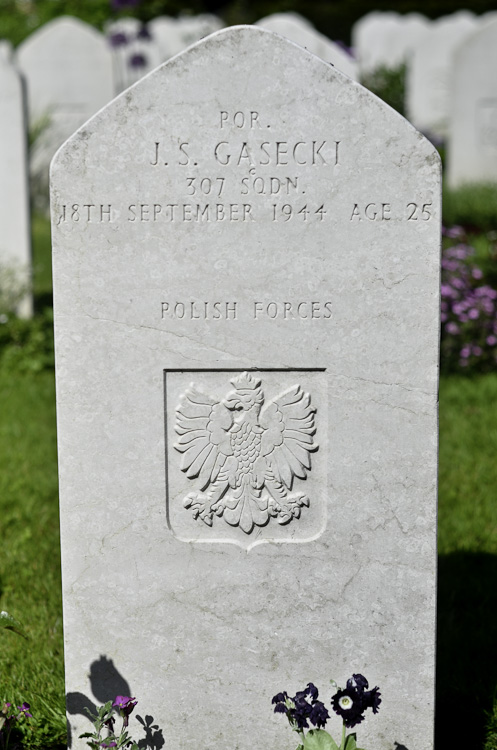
{"points": [[6, 50], [173, 35], [246, 275], [15, 242], [67, 66], [386, 40], [130, 42], [472, 146], [429, 69], [299, 30]]}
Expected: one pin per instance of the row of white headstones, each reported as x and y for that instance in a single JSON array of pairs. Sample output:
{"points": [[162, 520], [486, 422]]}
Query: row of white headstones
{"points": [[71, 71]]}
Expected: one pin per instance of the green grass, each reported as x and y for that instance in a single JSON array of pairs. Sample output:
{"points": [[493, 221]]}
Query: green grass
{"points": [[467, 532], [472, 206], [30, 584]]}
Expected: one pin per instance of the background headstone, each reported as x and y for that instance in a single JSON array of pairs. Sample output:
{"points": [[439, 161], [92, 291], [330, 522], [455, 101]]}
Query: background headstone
{"points": [[472, 147], [299, 30], [134, 51], [248, 208], [6, 50], [386, 40], [15, 241], [429, 70], [67, 66], [173, 35]]}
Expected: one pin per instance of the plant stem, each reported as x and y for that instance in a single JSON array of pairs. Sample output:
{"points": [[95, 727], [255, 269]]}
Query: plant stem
{"points": [[342, 744]]}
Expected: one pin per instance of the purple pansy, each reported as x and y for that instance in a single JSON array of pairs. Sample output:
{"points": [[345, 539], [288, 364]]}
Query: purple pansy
{"points": [[24, 709]]}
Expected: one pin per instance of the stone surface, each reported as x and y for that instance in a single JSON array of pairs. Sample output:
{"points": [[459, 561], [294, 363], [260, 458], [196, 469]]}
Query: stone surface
{"points": [[67, 66], [428, 74], [15, 242], [386, 39], [247, 208], [299, 30], [472, 147]]}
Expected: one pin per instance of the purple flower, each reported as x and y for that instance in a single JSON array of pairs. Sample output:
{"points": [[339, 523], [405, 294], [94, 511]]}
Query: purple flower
{"points": [[352, 702], [302, 708], [453, 232], [118, 39], [24, 709], [144, 33], [125, 706], [348, 704], [138, 60], [123, 4]]}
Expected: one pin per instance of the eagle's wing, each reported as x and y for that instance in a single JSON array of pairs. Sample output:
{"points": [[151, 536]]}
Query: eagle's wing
{"points": [[203, 425], [288, 422]]}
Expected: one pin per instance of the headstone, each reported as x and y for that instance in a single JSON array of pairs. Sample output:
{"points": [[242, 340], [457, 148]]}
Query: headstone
{"points": [[402, 41], [246, 254], [15, 242], [68, 70], [428, 75], [134, 51], [472, 146], [299, 30], [384, 40], [173, 35], [6, 51]]}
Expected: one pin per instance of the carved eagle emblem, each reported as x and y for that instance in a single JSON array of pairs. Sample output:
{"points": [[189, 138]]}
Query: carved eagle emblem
{"points": [[245, 454]]}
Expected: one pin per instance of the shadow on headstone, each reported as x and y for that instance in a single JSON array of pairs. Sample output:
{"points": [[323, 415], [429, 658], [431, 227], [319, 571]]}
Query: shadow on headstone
{"points": [[466, 647], [400, 747], [106, 683], [154, 739]]}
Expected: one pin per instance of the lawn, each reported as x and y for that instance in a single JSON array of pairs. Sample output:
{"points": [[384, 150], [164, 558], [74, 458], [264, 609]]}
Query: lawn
{"points": [[30, 586]]}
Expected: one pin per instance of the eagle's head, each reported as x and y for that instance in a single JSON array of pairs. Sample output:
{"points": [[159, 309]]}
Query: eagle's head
{"points": [[247, 394]]}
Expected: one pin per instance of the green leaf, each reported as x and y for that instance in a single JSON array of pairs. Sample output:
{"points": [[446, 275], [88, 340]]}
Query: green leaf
{"points": [[318, 739], [300, 747], [10, 623], [350, 742]]}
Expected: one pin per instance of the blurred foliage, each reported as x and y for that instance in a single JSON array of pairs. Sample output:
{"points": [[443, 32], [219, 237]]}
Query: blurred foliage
{"points": [[472, 206], [27, 345], [389, 85], [335, 18]]}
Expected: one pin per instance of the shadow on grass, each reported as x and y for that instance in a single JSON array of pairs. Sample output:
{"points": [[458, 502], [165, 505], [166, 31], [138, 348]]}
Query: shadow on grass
{"points": [[466, 648], [106, 684]]}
